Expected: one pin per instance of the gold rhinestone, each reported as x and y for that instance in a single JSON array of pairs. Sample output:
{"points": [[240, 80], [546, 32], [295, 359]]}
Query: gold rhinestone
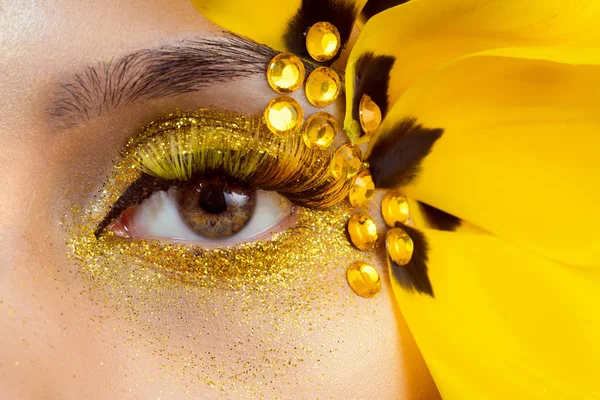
{"points": [[346, 162], [364, 279], [399, 246], [394, 208], [322, 86], [323, 41], [362, 231], [283, 115], [320, 130], [362, 190], [285, 73], [370, 115]]}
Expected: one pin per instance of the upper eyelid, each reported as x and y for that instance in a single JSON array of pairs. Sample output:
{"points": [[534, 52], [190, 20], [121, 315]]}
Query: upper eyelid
{"points": [[241, 147], [172, 129]]}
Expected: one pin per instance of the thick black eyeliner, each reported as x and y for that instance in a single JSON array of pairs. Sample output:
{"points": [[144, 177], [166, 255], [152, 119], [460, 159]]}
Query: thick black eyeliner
{"points": [[144, 187]]}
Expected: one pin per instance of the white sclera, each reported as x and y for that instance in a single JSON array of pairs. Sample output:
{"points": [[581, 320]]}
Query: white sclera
{"points": [[158, 217]]}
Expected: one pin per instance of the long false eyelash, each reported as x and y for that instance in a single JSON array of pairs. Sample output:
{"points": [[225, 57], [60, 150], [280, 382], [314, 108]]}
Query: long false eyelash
{"points": [[207, 142]]}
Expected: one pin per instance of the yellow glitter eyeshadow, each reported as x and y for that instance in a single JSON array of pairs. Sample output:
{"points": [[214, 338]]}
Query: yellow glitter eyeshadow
{"points": [[362, 190], [364, 279], [323, 41], [362, 231], [346, 162], [285, 73], [187, 145], [399, 246], [283, 115], [322, 87], [164, 288], [394, 208], [320, 130], [370, 115]]}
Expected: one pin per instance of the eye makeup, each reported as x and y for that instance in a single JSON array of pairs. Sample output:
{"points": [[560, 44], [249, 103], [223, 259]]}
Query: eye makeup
{"points": [[208, 141], [172, 151], [187, 303]]}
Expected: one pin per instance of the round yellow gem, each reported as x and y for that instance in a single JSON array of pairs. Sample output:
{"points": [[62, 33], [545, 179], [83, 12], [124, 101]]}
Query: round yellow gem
{"points": [[285, 73], [322, 87], [370, 115], [362, 231], [346, 162], [323, 41], [394, 208], [320, 130], [399, 246], [362, 190], [364, 279], [283, 115]]}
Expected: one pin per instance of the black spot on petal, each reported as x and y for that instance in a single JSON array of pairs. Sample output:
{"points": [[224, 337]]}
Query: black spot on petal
{"points": [[396, 154], [338, 13], [372, 77], [414, 275], [440, 219]]}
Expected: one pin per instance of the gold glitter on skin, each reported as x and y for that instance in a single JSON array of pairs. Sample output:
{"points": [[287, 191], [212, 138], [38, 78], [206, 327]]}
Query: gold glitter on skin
{"points": [[243, 148], [173, 293]]}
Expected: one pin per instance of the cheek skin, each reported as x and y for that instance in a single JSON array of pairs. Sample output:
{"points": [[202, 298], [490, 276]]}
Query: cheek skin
{"points": [[334, 344], [292, 325], [60, 337]]}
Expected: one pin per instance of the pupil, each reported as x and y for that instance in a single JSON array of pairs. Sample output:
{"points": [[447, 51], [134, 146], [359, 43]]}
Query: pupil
{"points": [[212, 199]]}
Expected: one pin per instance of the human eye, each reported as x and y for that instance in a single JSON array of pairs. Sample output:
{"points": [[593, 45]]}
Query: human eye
{"points": [[213, 178], [195, 190], [209, 211]]}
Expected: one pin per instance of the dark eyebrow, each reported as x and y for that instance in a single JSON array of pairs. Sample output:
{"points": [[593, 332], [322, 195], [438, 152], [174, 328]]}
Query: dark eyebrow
{"points": [[149, 74]]}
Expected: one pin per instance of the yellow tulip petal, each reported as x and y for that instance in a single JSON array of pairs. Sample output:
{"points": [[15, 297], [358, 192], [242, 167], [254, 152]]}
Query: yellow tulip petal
{"points": [[505, 323], [264, 21], [519, 152], [267, 21], [422, 35]]}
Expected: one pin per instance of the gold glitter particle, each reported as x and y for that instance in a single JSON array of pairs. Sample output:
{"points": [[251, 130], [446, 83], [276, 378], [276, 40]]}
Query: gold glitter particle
{"points": [[320, 130], [394, 208], [323, 41], [364, 279], [285, 73], [362, 231], [322, 87], [284, 115], [399, 246]]}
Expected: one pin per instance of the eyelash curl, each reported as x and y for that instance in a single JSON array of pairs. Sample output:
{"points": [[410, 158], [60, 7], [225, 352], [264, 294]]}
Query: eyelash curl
{"points": [[207, 142]]}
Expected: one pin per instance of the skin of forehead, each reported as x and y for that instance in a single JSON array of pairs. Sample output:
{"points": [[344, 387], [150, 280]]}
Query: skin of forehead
{"points": [[50, 330]]}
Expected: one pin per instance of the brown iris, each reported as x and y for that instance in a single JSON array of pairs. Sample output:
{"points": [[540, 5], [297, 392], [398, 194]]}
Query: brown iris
{"points": [[216, 207]]}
